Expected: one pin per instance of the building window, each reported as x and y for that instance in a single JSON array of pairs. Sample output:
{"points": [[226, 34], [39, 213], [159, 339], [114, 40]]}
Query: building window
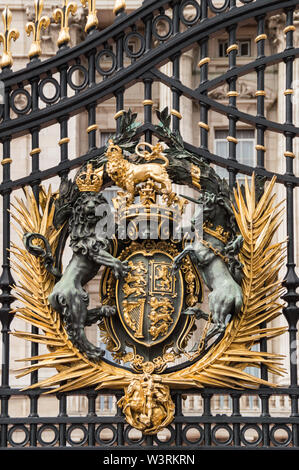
{"points": [[243, 51], [244, 152]]}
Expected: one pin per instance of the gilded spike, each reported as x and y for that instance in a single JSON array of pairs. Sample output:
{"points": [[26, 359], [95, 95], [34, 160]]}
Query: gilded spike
{"points": [[6, 37], [92, 19], [62, 15], [119, 6], [35, 28]]}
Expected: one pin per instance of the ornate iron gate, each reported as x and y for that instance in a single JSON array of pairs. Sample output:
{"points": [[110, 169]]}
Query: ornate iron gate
{"points": [[98, 84]]}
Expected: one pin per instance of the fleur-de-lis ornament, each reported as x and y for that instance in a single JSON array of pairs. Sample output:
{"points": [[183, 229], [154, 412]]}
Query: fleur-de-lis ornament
{"points": [[36, 27], [92, 19], [62, 15], [6, 38]]}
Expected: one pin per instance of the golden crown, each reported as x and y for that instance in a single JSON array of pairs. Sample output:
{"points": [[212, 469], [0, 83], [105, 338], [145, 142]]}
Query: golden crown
{"points": [[90, 180], [217, 232]]}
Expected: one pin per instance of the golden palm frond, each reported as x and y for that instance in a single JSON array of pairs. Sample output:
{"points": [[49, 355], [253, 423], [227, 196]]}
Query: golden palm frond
{"points": [[33, 288], [262, 260]]}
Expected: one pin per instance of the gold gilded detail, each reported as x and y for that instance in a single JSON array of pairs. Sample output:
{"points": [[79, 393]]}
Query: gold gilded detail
{"points": [[261, 37], [62, 15], [176, 113], [92, 19], [233, 47], [229, 138], [90, 180], [119, 114], [230, 94], [217, 232], [119, 5], [260, 93], [289, 154], [36, 27], [260, 147], [65, 140], [205, 60], [6, 161], [6, 38], [204, 125], [35, 151], [195, 175], [127, 175], [93, 127], [289, 91], [147, 102], [160, 316], [289, 28], [147, 404]]}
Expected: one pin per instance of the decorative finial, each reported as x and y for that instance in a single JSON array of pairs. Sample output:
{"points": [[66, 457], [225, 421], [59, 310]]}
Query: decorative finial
{"points": [[119, 6], [6, 37], [36, 27], [62, 15], [92, 19], [90, 180]]}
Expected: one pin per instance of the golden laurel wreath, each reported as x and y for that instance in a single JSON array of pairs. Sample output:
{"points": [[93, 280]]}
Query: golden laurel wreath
{"points": [[224, 363]]}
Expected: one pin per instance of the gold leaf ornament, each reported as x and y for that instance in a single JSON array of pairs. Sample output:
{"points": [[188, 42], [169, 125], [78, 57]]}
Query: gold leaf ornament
{"points": [[6, 37], [62, 15], [35, 28]]}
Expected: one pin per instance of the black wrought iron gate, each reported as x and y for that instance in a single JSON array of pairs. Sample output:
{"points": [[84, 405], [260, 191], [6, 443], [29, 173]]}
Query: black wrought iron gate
{"points": [[98, 83]]}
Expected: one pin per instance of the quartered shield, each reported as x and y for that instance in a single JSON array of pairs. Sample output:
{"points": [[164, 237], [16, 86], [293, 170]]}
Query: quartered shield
{"points": [[150, 298]]}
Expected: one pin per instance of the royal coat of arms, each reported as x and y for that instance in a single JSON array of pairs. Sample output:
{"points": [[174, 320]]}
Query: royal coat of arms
{"points": [[153, 264]]}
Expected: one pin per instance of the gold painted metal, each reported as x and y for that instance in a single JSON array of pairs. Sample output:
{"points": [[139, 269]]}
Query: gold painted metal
{"points": [[93, 127], [62, 15], [6, 38], [147, 404], [232, 94], [65, 140], [204, 125], [260, 147], [205, 60], [289, 28], [289, 91], [35, 151], [127, 175], [119, 5], [92, 19], [147, 102], [217, 232], [261, 37], [233, 47], [176, 113], [195, 175], [119, 114], [229, 138], [260, 93], [36, 27], [289, 154], [6, 161], [90, 180]]}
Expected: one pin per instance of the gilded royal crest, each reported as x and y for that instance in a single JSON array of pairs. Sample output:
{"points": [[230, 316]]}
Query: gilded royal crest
{"points": [[154, 264]]}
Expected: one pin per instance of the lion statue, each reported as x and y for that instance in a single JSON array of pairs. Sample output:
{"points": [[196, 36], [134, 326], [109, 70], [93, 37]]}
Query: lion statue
{"points": [[91, 250]]}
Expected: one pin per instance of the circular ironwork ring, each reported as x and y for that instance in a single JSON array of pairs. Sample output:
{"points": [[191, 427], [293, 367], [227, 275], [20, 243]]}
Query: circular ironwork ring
{"points": [[170, 440], [80, 442], [154, 27], [285, 428], [14, 94], [108, 441], [129, 36], [105, 52], [72, 70], [41, 87], [218, 9], [256, 428], [15, 428], [43, 428], [230, 434], [131, 441], [188, 428], [197, 16]]}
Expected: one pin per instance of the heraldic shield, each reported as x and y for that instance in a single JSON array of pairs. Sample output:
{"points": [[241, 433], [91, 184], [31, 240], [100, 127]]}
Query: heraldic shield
{"points": [[152, 264]]}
